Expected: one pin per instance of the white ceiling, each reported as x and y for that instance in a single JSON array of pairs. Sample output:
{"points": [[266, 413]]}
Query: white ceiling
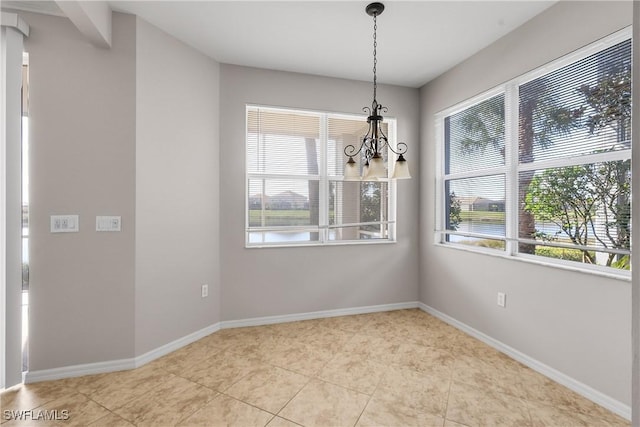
{"points": [[417, 40]]}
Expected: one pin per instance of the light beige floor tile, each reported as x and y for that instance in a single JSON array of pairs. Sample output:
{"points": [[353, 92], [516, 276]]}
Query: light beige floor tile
{"points": [[294, 330], [323, 404], [549, 416], [384, 413], [281, 422], [330, 339], [226, 411], [469, 346], [72, 410], [223, 370], [186, 357], [345, 323], [304, 359], [543, 390], [116, 389], [441, 337], [479, 407], [353, 371], [428, 360], [269, 388], [430, 370], [111, 420], [30, 396], [375, 348], [502, 378], [404, 386], [167, 404]]}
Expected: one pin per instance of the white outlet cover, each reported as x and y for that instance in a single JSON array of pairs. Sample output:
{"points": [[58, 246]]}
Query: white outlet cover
{"points": [[502, 299], [108, 223]]}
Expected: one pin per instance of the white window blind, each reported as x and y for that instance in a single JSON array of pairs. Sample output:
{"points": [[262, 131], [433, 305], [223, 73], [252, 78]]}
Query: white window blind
{"points": [[541, 166], [295, 188]]}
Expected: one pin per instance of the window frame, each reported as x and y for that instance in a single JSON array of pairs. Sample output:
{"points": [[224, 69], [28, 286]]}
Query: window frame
{"points": [[512, 166], [324, 180]]}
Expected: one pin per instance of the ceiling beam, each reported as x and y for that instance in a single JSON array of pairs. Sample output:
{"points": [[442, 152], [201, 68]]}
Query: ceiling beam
{"points": [[92, 18]]}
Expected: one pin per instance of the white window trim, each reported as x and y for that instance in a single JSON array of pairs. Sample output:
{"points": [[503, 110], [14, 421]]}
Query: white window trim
{"points": [[324, 179], [512, 166]]}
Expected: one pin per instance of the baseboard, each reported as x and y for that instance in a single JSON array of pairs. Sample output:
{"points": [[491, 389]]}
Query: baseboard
{"points": [[175, 345], [270, 320], [590, 393], [117, 365], [79, 370], [135, 362]]}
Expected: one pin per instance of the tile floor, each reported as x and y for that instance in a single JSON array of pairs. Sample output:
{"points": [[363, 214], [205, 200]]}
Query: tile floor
{"points": [[399, 368]]}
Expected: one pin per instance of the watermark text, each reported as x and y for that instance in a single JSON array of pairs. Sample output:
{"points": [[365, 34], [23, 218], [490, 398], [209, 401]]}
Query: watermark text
{"points": [[37, 415]]}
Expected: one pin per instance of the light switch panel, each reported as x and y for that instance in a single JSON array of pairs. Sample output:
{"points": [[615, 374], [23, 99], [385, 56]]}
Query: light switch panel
{"points": [[65, 223], [108, 223]]}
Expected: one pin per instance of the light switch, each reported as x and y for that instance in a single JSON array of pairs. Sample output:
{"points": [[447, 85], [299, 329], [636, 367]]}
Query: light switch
{"points": [[65, 223], [108, 223]]}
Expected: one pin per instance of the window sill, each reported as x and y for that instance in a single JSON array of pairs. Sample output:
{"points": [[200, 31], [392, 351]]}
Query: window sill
{"points": [[318, 245], [624, 275]]}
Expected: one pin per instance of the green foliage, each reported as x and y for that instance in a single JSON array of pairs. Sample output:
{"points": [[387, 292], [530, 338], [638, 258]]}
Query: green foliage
{"points": [[484, 126], [610, 102], [370, 201], [277, 218], [562, 253], [483, 216], [454, 211], [563, 196], [579, 198], [624, 263]]}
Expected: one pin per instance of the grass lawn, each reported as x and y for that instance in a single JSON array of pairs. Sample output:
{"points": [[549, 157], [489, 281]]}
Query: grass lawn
{"points": [[483, 216]]}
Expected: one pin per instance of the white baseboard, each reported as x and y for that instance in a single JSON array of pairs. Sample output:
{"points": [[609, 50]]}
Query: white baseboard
{"points": [[175, 345], [135, 362], [117, 365], [79, 370], [590, 393], [270, 320]]}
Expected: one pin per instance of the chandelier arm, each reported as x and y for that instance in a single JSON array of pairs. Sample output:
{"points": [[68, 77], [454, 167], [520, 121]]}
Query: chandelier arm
{"points": [[384, 135], [350, 150], [401, 148]]}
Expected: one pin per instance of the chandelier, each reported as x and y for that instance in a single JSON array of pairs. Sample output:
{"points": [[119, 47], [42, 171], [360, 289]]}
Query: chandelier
{"points": [[375, 141]]}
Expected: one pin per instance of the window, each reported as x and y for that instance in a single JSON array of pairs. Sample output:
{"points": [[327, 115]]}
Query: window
{"points": [[541, 166], [296, 194]]}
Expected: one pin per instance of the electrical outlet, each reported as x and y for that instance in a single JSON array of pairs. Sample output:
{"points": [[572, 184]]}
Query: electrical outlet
{"points": [[108, 223], [502, 299], [204, 290]]}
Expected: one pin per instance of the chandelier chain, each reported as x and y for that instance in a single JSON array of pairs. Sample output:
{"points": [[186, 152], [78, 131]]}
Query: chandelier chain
{"points": [[375, 59]]}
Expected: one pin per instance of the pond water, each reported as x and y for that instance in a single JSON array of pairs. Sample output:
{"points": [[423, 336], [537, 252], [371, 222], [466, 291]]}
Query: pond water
{"points": [[495, 229]]}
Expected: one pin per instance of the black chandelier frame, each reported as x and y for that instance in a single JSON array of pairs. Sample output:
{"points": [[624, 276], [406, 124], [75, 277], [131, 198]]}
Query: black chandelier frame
{"points": [[375, 140]]}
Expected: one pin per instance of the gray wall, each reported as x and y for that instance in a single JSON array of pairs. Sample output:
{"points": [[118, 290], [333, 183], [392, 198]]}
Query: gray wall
{"points": [[278, 281], [120, 131], [82, 123], [577, 323], [177, 181]]}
